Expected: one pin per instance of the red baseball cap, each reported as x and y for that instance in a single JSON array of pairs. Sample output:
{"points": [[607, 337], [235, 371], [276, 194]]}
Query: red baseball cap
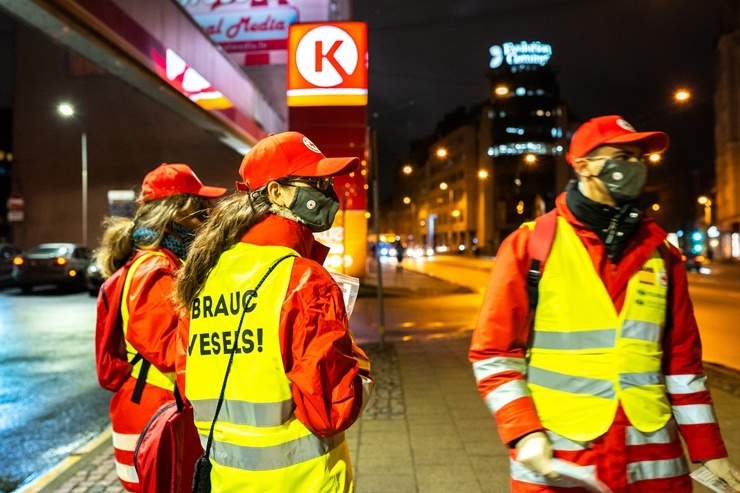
{"points": [[612, 129], [175, 179], [289, 154]]}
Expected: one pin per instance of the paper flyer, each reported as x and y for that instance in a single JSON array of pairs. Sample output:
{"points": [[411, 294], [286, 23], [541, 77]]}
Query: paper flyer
{"points": [[350, 286], [707, 478], [582, 475]]}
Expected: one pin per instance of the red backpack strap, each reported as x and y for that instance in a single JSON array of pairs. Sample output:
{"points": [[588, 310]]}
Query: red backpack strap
{"points": [[538, 248]]}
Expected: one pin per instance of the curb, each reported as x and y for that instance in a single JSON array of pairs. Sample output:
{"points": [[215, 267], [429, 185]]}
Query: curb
{"points": [[56, 475]]}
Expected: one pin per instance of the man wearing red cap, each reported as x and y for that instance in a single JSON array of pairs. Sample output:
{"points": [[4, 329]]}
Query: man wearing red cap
{"points": [[607, 372], [272, 370], [173, 203]]}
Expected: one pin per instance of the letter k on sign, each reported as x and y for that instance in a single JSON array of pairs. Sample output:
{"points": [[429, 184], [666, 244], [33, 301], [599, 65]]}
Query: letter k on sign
{"points": [[326, 62]]}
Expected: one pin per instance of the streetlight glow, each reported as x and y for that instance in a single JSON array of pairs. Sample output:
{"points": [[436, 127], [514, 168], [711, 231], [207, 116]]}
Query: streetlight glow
{"points": [[482, 174], [654, 157], [407, 170], [66, 109], [502, 90], [407, 200], [682, 95], [443, 185], [702, 200], [530, 158], [441, 152]]}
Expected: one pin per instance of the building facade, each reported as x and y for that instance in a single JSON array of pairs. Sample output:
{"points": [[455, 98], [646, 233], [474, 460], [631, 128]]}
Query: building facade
{"points": [[491, 167], [727, 133]]}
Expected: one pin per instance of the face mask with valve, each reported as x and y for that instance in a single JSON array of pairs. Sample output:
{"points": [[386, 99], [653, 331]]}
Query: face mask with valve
{"points": [[623, 179]]}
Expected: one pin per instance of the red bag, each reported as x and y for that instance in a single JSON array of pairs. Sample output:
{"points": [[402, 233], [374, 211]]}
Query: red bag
{"points": [[167, 449]]}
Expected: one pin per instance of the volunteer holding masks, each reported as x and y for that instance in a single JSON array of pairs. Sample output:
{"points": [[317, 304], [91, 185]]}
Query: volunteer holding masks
{"points": [[293, 379]]}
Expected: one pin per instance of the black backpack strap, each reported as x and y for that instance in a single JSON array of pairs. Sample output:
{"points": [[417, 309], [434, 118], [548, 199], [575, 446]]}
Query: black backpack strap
{"points": [[141, 379]]}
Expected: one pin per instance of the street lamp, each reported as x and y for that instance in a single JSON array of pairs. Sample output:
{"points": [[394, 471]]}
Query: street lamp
{"points": [[67, 111], [407, 169], [707, 203], [654, 157], [682, 95]]}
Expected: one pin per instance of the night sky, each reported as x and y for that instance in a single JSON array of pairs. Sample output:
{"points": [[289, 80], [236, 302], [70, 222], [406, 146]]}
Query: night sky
{"points": [[627, 57]]}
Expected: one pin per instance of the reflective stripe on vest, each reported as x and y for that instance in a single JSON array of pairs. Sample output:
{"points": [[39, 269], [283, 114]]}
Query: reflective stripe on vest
{"points": [[258, 414], [585, 357], [153, 376], [656, 469], [258, 444]]}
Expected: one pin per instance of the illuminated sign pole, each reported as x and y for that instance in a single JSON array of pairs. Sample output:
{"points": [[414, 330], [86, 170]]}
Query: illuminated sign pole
{"points": [[327, 102]]}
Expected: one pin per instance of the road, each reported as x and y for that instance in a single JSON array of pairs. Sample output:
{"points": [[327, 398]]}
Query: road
{"points": [[715, 294], [50, 402]]}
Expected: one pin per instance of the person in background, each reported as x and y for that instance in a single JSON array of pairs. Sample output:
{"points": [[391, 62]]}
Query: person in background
{"points": [[172, 204], [297, 379], [609, 374]]}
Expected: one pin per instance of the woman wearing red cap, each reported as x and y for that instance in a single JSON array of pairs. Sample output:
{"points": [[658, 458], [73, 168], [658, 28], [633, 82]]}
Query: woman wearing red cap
{"points": [[606, 373], [272, 371], [173, 203]]}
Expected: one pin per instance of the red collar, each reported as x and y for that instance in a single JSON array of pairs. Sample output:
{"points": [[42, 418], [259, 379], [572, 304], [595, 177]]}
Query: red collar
{"points": [[276, 230]]}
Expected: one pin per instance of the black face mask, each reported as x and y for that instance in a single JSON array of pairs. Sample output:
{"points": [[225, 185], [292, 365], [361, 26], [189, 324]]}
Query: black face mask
{"points": [[623, 179], [315, 207]]}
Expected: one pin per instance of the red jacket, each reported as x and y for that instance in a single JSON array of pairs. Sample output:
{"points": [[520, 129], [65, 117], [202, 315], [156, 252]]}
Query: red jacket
{"points": [[502, 329], [152, 317], [319, 355]]}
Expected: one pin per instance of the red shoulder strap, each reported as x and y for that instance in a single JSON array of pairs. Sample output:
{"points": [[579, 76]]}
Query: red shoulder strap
{"points": [[538, 248]]}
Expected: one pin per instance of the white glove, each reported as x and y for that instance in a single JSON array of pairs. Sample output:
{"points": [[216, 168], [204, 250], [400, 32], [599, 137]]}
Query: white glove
{"points": [[535, 452], [725, 470]]}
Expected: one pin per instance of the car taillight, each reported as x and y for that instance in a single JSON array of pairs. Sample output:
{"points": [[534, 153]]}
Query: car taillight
{"points": [[60, 261], [18, 261]]}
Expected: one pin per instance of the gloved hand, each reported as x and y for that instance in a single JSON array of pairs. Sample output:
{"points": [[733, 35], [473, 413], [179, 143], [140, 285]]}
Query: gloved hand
{"points": [[726, 470], [535, 452]]}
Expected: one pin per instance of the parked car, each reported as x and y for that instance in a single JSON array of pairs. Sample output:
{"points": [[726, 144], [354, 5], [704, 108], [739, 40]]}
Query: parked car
{"points": [[60, 264], [94, 277], [7, 252], [694, 263]]}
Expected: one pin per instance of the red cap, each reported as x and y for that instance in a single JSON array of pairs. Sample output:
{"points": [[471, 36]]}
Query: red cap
{"points": [[612, 129], [175, 179], [289, 154]]}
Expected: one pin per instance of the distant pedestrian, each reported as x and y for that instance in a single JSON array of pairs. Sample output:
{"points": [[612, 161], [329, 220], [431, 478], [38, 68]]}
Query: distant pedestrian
{"points": [[398, 245], [607, 372], [172, 204], [268, 325]]}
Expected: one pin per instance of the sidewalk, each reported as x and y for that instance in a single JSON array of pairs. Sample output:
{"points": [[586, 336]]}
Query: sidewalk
{"points": [[426, 429]]}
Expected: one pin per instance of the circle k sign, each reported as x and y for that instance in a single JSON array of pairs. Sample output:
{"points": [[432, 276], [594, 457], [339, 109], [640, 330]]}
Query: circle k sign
{"points": [[327, 64]]}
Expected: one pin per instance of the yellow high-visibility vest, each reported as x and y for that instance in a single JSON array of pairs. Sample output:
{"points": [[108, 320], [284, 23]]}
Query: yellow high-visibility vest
{"points": [[258, 444], [153, 376], [585, 357]]}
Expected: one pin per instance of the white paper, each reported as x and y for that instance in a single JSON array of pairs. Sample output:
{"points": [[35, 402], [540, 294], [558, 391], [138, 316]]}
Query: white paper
{"points": [[350, 286], [710, 480], [580, 474]]}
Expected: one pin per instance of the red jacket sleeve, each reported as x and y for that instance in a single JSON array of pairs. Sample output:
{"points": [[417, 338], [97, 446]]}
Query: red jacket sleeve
{"points": [[320, 358], [152, 318], [499, 342], [688, 393]]}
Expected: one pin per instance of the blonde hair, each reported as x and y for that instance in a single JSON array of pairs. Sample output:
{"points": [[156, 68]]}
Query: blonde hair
{"points": [[229, 220], [117, 245]]}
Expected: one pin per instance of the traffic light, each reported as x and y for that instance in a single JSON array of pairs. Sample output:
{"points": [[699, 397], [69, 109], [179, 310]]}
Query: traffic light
{"points": [[697, 242]]}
